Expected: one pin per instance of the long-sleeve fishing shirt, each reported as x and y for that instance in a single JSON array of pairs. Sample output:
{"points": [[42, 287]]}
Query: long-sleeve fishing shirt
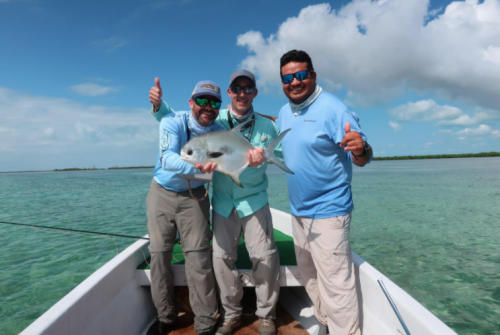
{"points": [[321, 185], [226, 194], [173, 135]]}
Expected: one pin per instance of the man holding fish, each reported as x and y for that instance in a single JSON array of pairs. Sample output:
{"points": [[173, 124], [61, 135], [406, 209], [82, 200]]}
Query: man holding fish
{"points": [[320, 191], [171, 209], [240, 200]]}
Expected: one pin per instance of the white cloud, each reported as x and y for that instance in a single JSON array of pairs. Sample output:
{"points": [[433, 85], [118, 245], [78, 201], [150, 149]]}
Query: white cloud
{"points": [[482, 130], [111, 44], [395, 126], [55, 132], [379, 49], [92, 90], [430, 111], [424, 110], [7, 130], [443, 132]]}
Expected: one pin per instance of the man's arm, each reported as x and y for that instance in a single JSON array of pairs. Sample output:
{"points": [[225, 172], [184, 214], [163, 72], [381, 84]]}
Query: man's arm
{"points": [[255, 156], [170, 138], [353, 142], [160, 107], [345, 131]]}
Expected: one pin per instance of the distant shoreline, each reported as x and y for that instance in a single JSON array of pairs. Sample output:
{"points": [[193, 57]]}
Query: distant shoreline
{"points": [[481, 154], [394, 158]]}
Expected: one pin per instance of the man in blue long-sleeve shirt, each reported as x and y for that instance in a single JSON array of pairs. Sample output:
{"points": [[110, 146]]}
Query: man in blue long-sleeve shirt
{"points": [[171, 208]]}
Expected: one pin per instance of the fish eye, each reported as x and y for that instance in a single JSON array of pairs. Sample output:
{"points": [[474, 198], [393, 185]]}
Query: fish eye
{"points": [[190, 152]]}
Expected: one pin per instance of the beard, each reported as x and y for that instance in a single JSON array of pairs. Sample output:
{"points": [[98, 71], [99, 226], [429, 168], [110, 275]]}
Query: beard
{"points": [[202, 122]]}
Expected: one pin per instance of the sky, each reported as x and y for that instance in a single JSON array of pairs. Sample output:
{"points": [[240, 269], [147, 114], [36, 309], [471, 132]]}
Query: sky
{"points": [[423, 76]]}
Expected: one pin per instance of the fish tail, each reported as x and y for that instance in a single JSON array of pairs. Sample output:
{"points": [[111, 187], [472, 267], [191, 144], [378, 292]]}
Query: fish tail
{"points": [[269, 152]]}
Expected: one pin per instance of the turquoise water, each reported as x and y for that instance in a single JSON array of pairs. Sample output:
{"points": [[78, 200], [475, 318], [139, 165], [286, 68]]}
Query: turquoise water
{"points": [[432, 226]]}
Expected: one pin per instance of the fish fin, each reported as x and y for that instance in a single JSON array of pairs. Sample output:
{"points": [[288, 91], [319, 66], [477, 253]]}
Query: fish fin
{"points": [[236, 179], [269, 152], [237, 129], [214, 154], [236, 175]]}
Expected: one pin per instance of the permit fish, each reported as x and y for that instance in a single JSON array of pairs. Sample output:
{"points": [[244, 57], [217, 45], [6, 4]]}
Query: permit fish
{"points": [[229, 149]]}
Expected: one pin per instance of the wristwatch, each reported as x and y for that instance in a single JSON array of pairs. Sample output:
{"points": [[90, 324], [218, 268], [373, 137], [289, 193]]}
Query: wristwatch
{"points": [[366, 148]]}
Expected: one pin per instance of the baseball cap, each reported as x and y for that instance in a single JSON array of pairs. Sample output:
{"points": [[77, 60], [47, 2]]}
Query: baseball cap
{"points": [[242, 73], [206, 87]]}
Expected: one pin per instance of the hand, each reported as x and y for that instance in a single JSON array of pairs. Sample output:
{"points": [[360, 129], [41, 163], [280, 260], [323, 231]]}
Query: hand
{"points": [[208, 168], [352, 141], [155, 94], [255, 157]]}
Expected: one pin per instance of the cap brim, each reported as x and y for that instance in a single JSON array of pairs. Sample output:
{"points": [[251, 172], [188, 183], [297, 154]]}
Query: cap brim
{"points": [[205, 93]]}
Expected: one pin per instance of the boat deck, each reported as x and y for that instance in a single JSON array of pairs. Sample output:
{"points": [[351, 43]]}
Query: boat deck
{"points": [[285, 323]]}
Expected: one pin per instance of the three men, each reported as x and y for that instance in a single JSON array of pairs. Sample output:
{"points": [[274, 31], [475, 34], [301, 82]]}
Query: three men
{"points": [[171, 209], [326, 135], [244, 210]]}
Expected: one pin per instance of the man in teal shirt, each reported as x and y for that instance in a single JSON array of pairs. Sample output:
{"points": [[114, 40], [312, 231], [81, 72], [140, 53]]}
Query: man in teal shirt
{"points": [[242, 209]]}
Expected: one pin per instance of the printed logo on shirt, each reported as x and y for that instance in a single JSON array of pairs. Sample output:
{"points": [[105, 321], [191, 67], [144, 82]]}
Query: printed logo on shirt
{"points": [[165, 142], [309, 120], [263, 138]]}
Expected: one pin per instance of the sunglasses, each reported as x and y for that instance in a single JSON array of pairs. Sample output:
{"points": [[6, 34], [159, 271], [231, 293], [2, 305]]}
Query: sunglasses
{"points": [[237, 89], [301, 75], [202, 102]]}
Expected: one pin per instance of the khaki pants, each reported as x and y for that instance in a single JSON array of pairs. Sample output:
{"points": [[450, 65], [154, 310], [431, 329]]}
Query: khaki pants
{"points": [[259, 239], [326, 267], [169, 212]]}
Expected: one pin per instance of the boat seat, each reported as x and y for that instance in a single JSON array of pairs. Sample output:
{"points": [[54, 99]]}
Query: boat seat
{"points": [[289, 275]]}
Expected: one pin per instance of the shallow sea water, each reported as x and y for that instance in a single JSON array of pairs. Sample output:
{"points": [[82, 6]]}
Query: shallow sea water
{"points": [[431, 226]]}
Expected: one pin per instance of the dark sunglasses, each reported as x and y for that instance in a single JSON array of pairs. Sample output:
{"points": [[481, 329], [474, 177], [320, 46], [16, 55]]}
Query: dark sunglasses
{"points": [[237, 89], [301, 75], [202, 102]]}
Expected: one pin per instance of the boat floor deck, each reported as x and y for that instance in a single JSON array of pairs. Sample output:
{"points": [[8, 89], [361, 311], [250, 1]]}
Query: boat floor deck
{"points": [[285, 323]]}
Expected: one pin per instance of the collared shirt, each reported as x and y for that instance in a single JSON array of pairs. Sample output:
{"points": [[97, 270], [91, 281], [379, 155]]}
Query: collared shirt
{"points": [[321, 185], [170, 166], [226, 194]]}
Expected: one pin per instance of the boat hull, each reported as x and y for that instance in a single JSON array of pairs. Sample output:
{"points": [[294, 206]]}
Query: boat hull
{"points": [[116, 299]]}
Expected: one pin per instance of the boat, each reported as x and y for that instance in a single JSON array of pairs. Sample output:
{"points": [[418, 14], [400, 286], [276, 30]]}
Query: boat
{"points": [[116, 299]]}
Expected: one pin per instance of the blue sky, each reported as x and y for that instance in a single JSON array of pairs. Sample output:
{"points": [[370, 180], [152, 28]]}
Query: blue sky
{"points": [[424, 77]]}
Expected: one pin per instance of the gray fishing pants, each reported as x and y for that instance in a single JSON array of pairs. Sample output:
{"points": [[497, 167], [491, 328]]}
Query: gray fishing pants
{"points": [[324, 259], [259, 239], [169, 212]]}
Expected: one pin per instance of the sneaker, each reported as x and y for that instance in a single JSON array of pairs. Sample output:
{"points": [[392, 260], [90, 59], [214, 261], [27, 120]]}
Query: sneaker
{"points": [[323, 330], [160, 328], [266, 327], [228, 326]]}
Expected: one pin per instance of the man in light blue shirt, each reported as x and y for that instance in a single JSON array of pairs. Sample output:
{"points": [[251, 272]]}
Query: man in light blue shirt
{"points": [[324, 142], [172, 209]]}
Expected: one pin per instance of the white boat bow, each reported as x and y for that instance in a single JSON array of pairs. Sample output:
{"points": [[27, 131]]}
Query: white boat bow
{"points": [[116, 299]]}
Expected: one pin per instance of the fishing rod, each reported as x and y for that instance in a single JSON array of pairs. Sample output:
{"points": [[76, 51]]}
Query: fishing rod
{"points": [[74, 230]]}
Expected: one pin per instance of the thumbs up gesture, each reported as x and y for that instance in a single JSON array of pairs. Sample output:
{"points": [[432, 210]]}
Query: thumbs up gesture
{"points": [[352, 141], [155, 93]]}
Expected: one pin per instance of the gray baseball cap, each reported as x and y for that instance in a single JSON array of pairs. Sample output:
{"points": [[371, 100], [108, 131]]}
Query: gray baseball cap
{"points": [[242, 73], [206, 87]]}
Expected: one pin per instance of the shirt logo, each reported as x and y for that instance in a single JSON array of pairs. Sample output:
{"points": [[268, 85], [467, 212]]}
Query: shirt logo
{"points": [[165, 142], [309, 120], [263, 138]]}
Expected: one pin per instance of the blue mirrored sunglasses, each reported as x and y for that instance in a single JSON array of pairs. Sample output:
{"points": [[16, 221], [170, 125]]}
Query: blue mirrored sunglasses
{"points": [[202, 102], [301, 75]]}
